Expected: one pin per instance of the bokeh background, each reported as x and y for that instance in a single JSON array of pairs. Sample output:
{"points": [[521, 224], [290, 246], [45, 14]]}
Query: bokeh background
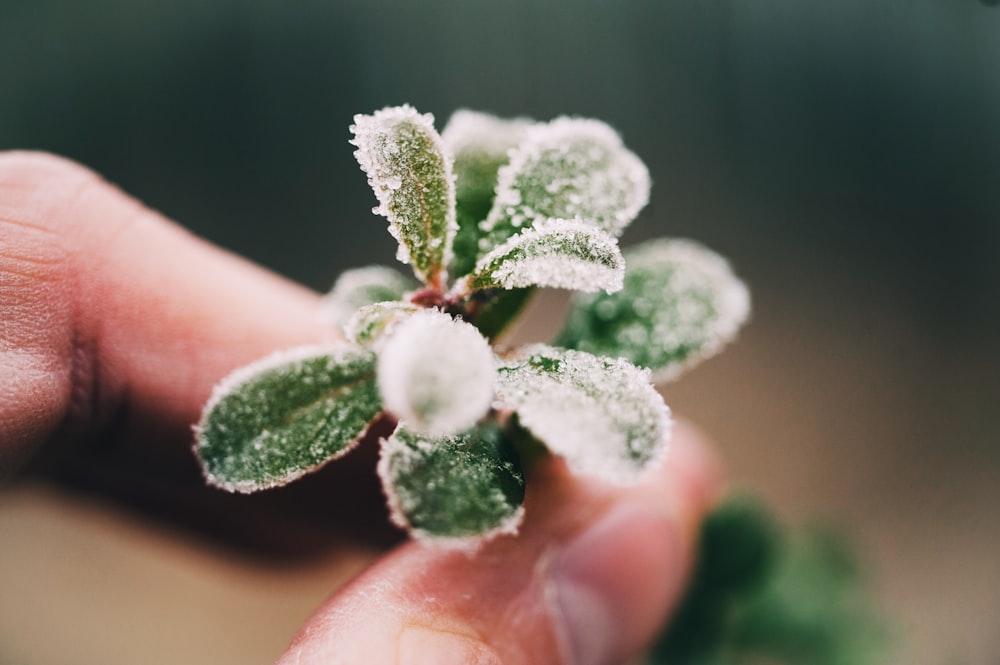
{"points": [[844, 154]]}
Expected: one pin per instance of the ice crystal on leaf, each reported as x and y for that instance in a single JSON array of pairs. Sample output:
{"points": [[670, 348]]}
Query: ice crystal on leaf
{"points": [[681, 303], [272, 421], [600, 414], [369, 324], [566, 169], [436, 374], [480, 144], [559, 254], [411, 174], [363, 286], [523, 205], [469, 484]]}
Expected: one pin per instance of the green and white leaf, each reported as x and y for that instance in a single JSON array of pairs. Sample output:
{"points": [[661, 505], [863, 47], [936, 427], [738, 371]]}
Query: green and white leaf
{"points": [[681, 304], [372, 322], [410, 171], [559, 253], [479, 143], [601, 414], [283, 416], [453, 488], [436, 373], [358, 287], [566, 169]]}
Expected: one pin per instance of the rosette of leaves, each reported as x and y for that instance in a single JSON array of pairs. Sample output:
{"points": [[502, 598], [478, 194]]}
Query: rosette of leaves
{"points": [[485, 212]]}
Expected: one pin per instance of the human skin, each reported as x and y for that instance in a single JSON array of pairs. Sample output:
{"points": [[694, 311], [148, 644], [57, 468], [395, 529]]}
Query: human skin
{"points": [[115, 324]]}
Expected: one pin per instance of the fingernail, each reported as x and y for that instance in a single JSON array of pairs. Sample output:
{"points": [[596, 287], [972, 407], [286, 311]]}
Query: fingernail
{"points": [[419, 645], [612, 583]]}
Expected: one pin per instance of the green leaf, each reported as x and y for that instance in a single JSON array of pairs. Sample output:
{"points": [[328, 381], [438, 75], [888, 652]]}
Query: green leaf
{"points": [[500, 310], [272, 421], [480, 144], [570, 168], [358, 287], [681, 303], [436, 373], [600, 414], [469, 484], [370, 323], [560, 254], [411, 173]]}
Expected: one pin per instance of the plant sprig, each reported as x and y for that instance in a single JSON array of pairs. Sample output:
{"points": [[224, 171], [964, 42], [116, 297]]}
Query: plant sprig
{"points": [[484, 213]]}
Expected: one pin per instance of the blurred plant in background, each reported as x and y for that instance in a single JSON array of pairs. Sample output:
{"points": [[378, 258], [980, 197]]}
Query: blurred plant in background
{"points": [[764, 593]]}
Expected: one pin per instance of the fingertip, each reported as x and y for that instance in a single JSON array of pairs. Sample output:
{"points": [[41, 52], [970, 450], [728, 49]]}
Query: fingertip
{"points": [[613, 583], [419, 645], [693, 464], [589, 579]]}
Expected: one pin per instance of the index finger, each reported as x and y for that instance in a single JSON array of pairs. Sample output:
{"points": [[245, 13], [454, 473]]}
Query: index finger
{"points": [[113, 314]]}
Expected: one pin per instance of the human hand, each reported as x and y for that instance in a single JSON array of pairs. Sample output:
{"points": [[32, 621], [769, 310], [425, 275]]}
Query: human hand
{"points": [[117, 323]]}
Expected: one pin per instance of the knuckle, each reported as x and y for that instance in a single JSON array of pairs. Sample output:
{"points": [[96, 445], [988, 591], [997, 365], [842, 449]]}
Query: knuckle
{"points": [[28, 168], [38, 189]]}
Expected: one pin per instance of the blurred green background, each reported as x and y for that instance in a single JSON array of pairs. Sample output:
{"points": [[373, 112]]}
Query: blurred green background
{"points": [[844, 154]]}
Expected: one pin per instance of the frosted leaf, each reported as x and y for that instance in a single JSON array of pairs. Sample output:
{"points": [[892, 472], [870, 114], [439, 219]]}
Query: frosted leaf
{"points": [[559, 253], [600, 414], [681, 304], [370, 323], [455, 487], [480, 144], [363, 286], [272, 421], [436, 373], [410, 171], [566, 169]]}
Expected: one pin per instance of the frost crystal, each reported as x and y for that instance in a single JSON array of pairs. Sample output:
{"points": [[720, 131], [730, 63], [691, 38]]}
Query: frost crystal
{"points": [[453, 487], [559, 253], [410, 171], [436, 374], [475, 133], [566, 169], [276, 419], [370, 323], [681, 304], [600, 414], [480, 144], [362, 286]]}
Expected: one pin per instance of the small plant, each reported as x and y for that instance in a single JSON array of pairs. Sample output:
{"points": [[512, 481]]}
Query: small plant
{"points": [[484, 213]]}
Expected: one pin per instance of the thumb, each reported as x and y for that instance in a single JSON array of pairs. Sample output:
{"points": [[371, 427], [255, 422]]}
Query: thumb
{"points": [[589, 579]]}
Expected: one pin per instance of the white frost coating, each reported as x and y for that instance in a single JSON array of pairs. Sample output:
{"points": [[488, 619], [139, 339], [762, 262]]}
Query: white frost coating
{"points": [[370, 324], [482, 132], [355, 288], [585, 171], [601, 415], [392, 448], [696, 263], [436, 373], [543, 256], [235, 379], [376, 156]]}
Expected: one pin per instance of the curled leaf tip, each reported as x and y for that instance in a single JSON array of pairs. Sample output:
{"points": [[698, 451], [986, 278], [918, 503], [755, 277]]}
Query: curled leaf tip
{"points": [[436, 373]]}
